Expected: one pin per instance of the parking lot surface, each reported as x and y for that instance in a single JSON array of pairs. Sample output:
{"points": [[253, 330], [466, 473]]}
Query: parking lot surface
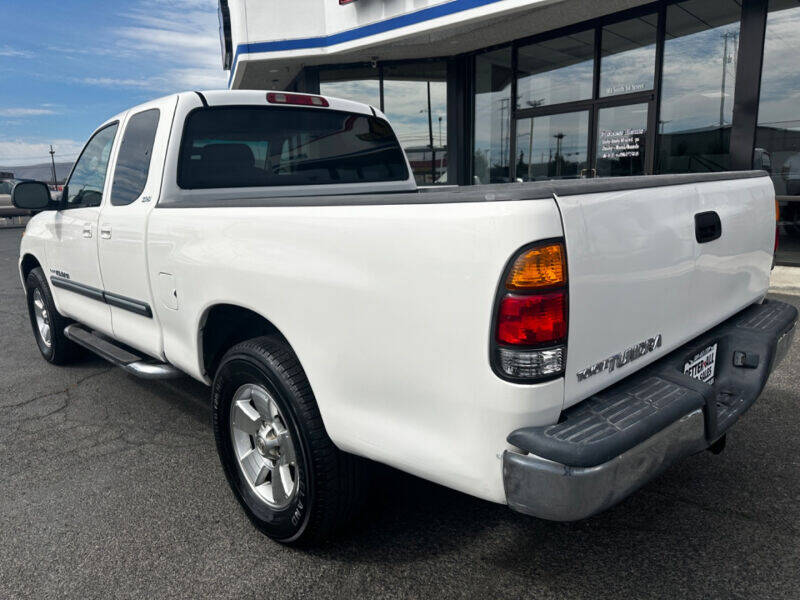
{"points": [[110, 487]]}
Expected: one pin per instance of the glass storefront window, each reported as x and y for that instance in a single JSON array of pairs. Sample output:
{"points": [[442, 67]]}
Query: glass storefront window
{"points": [[699, 77], [552, 146], [778, 133], [628, 56], [621, 135], [359, 84], [490, 156], [415, 102], [557, 70]]}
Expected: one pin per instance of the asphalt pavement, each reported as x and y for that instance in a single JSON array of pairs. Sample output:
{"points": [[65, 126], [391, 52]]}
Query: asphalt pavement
{"points": [[110, 487]]}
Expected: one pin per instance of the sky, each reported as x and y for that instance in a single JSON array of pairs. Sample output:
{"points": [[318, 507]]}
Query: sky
{"points": [[67, 66]]}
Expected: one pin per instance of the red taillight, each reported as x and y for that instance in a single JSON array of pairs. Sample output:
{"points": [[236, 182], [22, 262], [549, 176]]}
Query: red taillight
{"points": [[532, 320], [298, 99]]}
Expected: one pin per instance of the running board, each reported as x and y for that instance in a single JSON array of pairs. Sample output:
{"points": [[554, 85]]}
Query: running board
{"points": [[134, 364]]}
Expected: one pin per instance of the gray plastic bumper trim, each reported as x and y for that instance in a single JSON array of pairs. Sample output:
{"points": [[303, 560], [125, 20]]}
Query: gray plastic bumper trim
{"points": [[550, 490], [571, 470], [500, 192], [123, 302], [783, 345]]}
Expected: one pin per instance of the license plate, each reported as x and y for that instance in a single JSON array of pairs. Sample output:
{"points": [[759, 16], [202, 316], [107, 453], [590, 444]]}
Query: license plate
{"points": [[701, 365]]}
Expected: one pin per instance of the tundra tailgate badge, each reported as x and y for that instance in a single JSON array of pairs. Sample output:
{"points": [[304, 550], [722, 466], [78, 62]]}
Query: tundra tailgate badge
{"points": [[622, 358]]}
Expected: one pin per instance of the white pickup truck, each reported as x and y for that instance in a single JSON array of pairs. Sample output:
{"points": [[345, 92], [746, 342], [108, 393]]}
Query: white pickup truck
{"points": [[550, 345]]}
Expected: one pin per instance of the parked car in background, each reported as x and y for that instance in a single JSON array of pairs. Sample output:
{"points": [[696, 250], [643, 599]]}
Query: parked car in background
{"points": [[7, 209], [548, 345]]}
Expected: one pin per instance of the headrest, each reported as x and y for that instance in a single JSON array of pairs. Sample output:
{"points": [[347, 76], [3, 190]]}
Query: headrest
{"points": [[228, 156]]}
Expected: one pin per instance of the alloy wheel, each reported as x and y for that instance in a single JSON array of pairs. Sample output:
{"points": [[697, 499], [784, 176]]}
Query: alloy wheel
{"points": [[263, 445]]}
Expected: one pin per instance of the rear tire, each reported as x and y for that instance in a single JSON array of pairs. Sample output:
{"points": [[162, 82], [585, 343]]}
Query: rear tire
{"points": [[291, 480], [47, 323]]}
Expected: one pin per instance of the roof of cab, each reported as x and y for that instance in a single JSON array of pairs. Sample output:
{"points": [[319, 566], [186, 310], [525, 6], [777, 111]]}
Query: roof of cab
{"points": [[120, 116], [254, 98], [259, 98]]}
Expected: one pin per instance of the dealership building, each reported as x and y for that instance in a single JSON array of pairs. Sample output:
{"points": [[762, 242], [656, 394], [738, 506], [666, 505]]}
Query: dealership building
{"points": [[492, 91]]}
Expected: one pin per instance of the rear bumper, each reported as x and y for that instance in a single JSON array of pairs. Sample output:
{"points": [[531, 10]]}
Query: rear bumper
{"points": [[609, 445]]}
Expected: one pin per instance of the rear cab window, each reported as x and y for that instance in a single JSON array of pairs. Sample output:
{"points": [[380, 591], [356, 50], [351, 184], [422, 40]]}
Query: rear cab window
{"points": [[254, 146], [133, 160]]}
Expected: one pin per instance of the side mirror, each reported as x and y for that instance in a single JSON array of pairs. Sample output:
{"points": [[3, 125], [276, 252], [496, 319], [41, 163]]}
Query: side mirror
{"points": [[31, 195]]}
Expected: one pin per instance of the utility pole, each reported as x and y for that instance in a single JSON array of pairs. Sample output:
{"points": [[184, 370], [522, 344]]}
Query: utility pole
{"points": [[559, 137], [430, 137], [725, 36], [53, 165], [530, 152], [503, 108], [533, 104]]}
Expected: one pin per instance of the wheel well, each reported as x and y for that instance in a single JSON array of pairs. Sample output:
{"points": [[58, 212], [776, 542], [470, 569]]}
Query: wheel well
{"points": [[226, 325], [29, 263]]}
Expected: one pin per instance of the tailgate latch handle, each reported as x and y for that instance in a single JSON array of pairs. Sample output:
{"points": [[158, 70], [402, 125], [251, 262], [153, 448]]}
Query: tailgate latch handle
{"points": [[707, 227]]}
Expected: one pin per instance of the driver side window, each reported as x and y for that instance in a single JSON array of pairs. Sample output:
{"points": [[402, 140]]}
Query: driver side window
{"points": [[85, 185]]}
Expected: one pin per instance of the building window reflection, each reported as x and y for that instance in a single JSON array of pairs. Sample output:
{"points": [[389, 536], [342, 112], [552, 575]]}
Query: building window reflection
{"points": [[556, 71], [698, 81], [552, 146], [358, 84], [491, 152], [621, 140], [778, 133], [628, 59], [415, 102]]}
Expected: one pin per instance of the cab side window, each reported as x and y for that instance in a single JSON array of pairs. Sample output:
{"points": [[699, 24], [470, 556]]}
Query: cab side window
{"points": [[85, 185], [133, 161]]}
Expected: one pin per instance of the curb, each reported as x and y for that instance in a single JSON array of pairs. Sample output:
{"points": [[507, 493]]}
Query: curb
{"points": [[785, 290], [785, 280]]}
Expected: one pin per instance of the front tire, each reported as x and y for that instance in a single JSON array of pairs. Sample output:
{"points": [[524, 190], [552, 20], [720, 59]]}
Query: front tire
{"points": [[47, 323], [291, 480]]}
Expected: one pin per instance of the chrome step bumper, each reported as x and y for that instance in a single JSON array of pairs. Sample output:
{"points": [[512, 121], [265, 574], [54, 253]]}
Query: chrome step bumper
{"points": [[133, 363], [609, 445]]}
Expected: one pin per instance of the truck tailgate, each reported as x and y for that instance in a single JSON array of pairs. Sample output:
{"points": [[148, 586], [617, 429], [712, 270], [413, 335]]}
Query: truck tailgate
{"points": [[644, 277]]}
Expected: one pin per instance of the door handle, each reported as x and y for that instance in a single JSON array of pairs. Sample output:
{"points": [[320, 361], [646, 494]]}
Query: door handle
{"points": [[707, 227], [87, 230], [105, 232]]}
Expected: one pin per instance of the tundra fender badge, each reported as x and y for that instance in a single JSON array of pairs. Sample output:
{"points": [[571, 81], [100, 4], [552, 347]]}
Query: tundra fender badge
{"points": [[59, 273], [622, 358]]}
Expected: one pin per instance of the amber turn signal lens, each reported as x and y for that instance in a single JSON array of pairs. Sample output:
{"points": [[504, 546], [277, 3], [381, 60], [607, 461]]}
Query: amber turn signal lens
{"points": [[538, 267]]}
